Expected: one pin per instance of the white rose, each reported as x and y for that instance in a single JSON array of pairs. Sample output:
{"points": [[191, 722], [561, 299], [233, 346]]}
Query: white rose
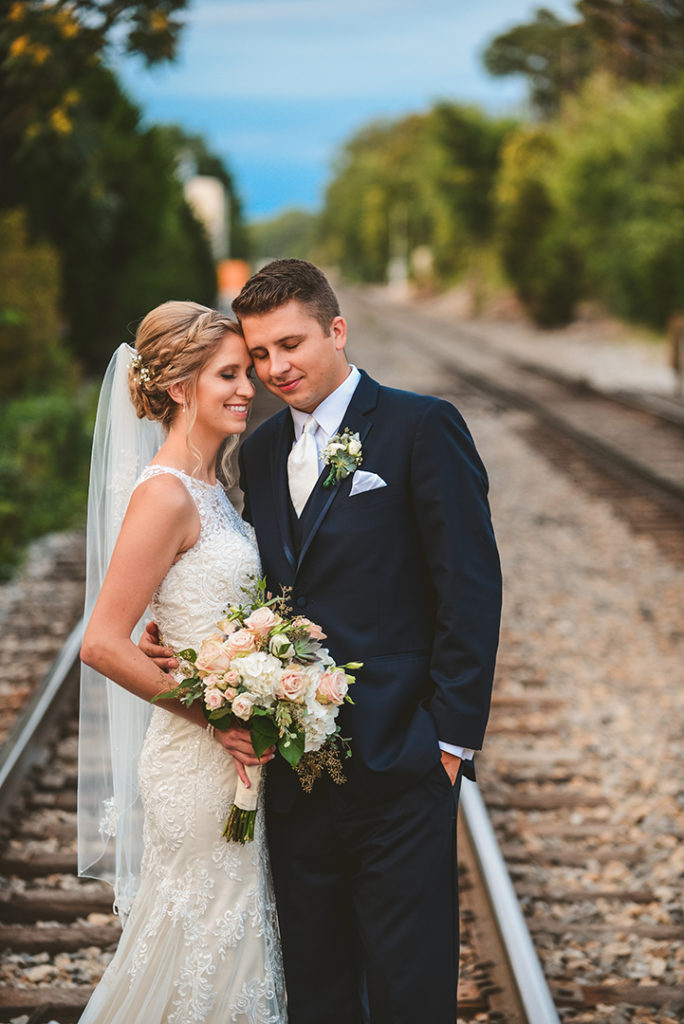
{"points": [[354, 445], [280, 646]]}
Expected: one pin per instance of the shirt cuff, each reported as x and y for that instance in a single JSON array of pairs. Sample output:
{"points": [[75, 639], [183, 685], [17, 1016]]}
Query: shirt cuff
{"points": [[465, 753]]}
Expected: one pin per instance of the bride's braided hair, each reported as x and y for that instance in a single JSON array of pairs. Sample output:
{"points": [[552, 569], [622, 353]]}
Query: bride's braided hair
{"points": [[173, 342]]}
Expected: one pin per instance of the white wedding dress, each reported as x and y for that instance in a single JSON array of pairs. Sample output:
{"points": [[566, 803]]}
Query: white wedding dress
{"points": [[201, 944]]}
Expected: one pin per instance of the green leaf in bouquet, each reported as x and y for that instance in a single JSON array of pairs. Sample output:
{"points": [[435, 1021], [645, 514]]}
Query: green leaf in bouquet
{"points": [[221, 718], [291, 746], [188, 655], [264, 733]]}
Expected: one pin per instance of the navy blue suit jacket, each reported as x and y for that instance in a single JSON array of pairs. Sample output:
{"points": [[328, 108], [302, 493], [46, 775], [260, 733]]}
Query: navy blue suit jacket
{"points": [[405, 578]]}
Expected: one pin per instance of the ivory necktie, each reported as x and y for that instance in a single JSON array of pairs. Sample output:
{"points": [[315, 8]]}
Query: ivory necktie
{"points": [[302, 466]]}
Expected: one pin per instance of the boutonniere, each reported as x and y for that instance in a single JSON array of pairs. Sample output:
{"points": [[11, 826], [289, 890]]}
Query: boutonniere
{"points": [[342, 454]]}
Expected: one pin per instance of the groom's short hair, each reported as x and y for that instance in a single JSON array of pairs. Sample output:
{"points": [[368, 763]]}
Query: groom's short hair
{"points": [[283, 280]]}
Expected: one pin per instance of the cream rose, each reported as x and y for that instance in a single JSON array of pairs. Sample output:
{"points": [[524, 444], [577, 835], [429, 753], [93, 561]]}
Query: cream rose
{"points": [[280, 646], [354, 445], [213, 698], [241, 642], [242, 706], [212, 657], [292, 685], [332, 687], [261, 621]]}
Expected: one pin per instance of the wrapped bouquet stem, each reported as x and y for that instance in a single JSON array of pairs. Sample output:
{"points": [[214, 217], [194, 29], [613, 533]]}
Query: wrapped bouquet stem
{"points": [[240, 824], [269, 671]]}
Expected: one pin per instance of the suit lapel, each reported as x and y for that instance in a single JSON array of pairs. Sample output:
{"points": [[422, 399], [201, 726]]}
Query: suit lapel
{"points": [[356, 419], [279, 454]]}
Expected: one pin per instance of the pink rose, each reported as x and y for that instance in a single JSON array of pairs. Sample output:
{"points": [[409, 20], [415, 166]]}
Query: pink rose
{"points": [[241, 642], [314, 631], [242, 706], [292, 685], [333, 687], [261, 621], [231, 678], [212, 657], [213, 698], [230, 692], [213, 680]]}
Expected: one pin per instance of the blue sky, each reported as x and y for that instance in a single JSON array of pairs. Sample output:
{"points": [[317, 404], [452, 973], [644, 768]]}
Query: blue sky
{"points": [[275, 86]]}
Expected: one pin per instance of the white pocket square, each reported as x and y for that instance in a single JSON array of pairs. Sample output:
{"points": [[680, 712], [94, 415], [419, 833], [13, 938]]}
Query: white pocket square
{"points": [[362, 481]]}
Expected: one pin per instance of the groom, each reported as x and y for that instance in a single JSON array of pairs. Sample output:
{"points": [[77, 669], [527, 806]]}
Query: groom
{"points": [[397, 562]]}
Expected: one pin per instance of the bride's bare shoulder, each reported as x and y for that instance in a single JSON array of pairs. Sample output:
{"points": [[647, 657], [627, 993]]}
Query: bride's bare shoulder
{"points": [[164, 495]]}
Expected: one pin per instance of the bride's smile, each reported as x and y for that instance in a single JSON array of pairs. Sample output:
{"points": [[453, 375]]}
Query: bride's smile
{"points": [[224, 390]]}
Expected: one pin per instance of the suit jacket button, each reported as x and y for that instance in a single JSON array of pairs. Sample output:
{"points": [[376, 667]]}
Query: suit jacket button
{"points": [[301, 602]]}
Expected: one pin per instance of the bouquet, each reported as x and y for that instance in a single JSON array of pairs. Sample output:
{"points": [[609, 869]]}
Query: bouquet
{"points": [[269, 671]]}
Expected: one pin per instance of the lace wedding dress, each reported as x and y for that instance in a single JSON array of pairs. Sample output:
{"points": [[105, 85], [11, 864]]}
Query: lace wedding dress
{"points": [[200, 945]]}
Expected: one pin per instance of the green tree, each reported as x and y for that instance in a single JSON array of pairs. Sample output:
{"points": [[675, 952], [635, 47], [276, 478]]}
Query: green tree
{"points": [[45, 44], [424, 181], [635, 40], [31, 355], [107, 197], [552, 54], [292, 233], [536, 249]]}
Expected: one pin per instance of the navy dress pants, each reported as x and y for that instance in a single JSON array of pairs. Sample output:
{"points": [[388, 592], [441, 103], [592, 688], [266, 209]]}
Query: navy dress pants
{"points": [[367, 897]]}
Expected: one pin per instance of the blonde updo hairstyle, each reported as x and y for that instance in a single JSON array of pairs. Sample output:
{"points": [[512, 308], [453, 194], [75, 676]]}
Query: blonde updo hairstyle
{"points": [[173, 343]]}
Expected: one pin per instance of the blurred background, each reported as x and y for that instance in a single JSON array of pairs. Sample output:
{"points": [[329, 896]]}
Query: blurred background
{"points": [[526, 161]]}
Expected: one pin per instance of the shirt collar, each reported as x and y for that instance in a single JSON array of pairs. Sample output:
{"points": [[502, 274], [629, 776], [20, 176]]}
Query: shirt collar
{"points": [[330, 412]]}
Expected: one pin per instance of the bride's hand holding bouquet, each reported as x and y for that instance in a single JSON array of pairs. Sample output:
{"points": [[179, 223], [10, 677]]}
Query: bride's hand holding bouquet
{"points": [[269, 672]]}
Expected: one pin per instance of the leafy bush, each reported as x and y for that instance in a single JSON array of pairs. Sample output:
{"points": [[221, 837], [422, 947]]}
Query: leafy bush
{"points": [[30, 351], [536, 251], [44, 455]]}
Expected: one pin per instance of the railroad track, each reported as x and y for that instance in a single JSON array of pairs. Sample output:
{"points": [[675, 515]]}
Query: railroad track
{"points": [[627, 449], [65, 927], [555, 823]]}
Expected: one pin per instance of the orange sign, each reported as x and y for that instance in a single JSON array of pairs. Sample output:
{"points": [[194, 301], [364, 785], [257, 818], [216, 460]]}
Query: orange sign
{"points": [[232, 274]]}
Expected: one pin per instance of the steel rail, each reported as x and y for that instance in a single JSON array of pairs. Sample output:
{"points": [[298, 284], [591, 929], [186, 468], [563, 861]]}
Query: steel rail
{"points": [[21, 750], [533, 990]]}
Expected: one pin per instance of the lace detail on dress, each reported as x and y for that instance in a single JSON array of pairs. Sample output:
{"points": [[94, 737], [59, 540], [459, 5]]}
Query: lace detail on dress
{"points": [[201, 944]]}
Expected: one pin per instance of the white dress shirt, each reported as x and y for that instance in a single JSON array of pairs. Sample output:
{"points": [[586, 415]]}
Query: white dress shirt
{"points": [[329, 416]]}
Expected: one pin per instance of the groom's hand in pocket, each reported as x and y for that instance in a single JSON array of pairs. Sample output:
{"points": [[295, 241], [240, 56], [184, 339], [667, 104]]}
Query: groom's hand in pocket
{"points": [[149, 644], [451, 765]]}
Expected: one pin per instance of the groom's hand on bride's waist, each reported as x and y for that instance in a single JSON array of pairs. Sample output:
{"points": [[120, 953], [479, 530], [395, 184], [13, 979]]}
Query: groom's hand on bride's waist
{"points": [[163, 657]]}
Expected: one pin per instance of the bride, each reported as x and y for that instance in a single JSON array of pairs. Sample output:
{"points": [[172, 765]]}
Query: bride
{"points": [[199, 942]]}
